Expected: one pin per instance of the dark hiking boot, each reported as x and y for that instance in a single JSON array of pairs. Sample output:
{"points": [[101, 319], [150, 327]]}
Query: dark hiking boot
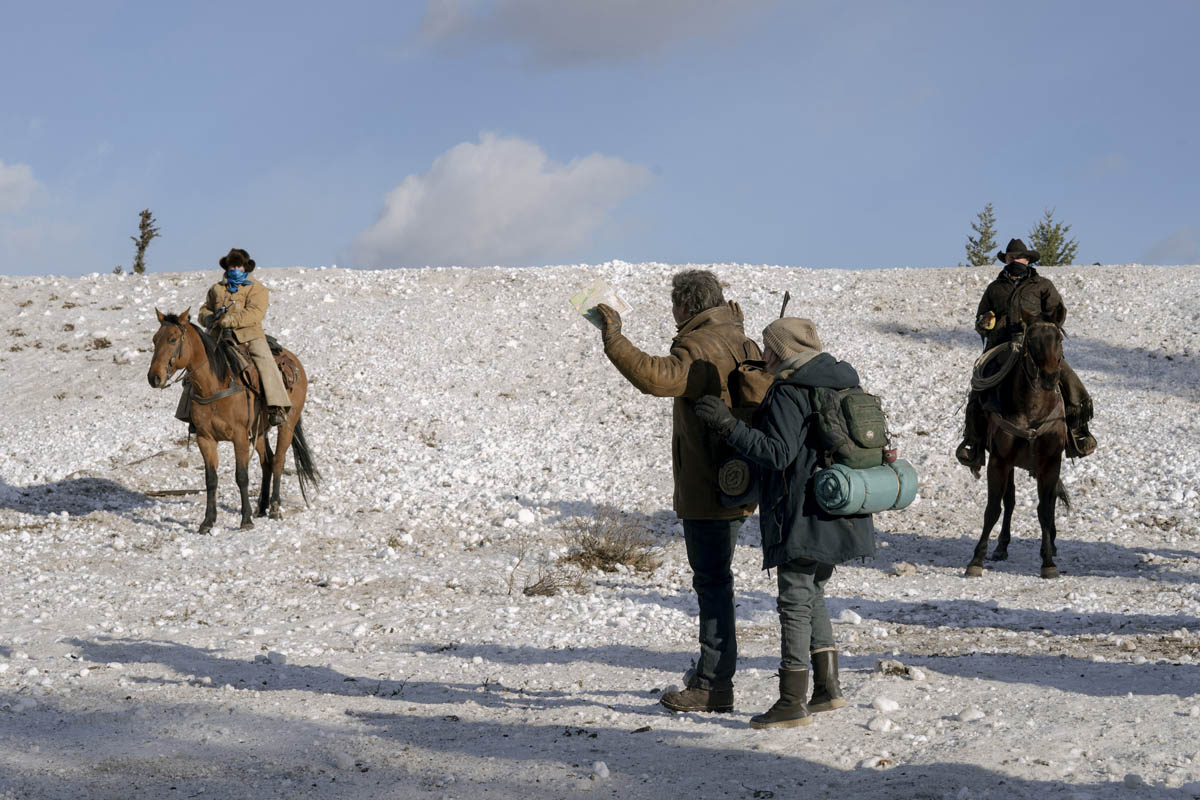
{"points": [[789, 710], [276, 416], [827, 692], [698, 698]]}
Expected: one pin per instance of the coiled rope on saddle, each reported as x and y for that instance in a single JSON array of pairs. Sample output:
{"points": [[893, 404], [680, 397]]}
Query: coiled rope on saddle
{"points": [[981, 381]]}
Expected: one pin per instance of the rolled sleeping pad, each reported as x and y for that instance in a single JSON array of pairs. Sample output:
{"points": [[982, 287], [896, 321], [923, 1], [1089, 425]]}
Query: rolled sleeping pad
{"points": [[888, 487]]}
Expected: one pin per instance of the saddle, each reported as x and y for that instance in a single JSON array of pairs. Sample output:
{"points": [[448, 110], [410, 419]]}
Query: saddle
{"points": [[238, 354]]}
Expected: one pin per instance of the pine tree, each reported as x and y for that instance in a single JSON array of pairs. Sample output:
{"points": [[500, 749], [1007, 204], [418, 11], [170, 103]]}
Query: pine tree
{"points": [[147, 230], [981, 248], [1049, 238]]}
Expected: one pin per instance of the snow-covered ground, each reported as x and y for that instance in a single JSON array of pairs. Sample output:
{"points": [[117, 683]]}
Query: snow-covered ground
{"points": [[370, 646]]}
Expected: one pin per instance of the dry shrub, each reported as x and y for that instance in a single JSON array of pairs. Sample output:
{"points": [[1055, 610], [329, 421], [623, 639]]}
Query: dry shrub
{"points": [[554, 581], [99, 343], [608, 539]]}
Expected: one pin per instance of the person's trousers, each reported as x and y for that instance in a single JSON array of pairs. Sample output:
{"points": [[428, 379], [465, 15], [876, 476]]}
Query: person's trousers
{"points": [[268, 372], [803, 619], [710, 545]]}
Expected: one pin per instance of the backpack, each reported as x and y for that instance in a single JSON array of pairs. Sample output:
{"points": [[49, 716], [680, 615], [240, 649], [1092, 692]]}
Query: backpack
{"points": [[748, 383], [851, 426]]}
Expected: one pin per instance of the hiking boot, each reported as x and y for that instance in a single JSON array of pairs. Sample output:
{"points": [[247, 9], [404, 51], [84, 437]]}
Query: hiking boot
{"points": [[827, 692], [697, 698], [276, 416], [789, 710]]}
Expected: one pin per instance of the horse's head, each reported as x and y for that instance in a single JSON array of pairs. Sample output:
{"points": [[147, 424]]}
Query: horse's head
{"points": [[171, 349], [1043, 353]]}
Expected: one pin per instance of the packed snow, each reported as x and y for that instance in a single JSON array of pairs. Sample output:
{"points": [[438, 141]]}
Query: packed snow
{"points": [[378, 643]]}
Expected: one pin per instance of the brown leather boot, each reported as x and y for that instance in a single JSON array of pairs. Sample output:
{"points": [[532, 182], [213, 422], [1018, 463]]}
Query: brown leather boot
{"points": [[827, 692], [789, 710], [698, 698], [276, 416]]}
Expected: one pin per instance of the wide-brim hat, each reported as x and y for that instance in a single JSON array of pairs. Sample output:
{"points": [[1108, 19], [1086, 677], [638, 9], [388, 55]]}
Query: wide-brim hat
{"points": [[237, 257], [1017, 249]]}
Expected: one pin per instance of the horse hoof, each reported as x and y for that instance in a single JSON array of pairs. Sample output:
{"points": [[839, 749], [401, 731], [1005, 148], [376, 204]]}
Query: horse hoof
{"points": [[1049, 572], [276, 513], [998, 555], [974, 571], [205, 530], [247, 525]]}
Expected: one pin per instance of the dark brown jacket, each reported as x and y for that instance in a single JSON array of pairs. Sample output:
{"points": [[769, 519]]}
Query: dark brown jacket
{"points": [[1031, 298], [701, 360]]}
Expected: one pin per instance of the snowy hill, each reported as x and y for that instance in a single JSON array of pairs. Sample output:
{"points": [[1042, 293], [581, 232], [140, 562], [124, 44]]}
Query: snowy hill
{"points": [[465, 420]]}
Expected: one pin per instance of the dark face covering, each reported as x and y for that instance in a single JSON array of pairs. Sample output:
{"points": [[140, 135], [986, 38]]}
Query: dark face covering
{"points": [[1015, 269]]}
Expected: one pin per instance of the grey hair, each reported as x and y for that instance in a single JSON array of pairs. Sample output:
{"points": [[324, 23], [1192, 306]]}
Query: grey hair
{"points": [[696, 290]]}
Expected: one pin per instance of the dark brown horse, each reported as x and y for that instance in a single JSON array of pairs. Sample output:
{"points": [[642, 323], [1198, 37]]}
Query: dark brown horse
{"points": [[224, 410], [1030, 432]]}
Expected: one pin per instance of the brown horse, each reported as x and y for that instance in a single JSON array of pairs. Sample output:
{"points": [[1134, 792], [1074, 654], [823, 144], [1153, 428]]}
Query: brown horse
{"points": [[223, 410], [1031, 433]]}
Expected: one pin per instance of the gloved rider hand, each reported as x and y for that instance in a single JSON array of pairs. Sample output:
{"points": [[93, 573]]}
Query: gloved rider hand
{"points": [[611, 320], [226, 333], [716, 415]]}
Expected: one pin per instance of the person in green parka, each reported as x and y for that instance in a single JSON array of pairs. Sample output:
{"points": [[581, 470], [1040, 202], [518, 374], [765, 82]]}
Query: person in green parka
{"points": [[798, 538]]}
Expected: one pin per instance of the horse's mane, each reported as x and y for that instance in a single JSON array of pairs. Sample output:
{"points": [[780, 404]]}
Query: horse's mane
{"points": [[216, 354]]}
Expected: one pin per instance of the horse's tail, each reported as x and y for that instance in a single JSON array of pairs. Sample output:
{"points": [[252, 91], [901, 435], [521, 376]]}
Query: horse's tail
{"points": [[306, 470], [1060, 491]]}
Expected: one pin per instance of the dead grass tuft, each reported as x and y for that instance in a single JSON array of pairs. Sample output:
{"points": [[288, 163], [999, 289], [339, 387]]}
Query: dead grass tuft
{"points": [[556, 581], [609, 539]]}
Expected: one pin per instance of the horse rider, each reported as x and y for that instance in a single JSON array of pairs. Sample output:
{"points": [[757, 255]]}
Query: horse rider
{"points": [[235, 308], [1017, 293]]}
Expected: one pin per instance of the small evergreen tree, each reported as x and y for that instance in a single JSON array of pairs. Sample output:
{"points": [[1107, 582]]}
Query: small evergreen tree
{"points": [[981, 248], [147, 230], [1049, 238]]}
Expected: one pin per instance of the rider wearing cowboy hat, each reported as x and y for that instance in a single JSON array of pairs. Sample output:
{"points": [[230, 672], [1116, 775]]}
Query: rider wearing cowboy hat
{"points": [[236, 306], [1018, 293]]}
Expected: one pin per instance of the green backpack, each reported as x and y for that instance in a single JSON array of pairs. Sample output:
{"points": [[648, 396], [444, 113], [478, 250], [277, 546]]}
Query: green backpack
{"points": [[851, 425]]}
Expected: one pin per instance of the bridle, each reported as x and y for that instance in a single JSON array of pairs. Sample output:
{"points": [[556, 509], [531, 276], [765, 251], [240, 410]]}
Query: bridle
{"points": [[1033, 372], [171, 368]]}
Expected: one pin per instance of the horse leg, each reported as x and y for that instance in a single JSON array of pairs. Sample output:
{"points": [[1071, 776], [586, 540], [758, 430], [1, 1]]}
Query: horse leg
{"points": [[998, 473], [208, 451], [1010, 501], [241, 453], [264, 460], [1047, 497], [286, 431]]}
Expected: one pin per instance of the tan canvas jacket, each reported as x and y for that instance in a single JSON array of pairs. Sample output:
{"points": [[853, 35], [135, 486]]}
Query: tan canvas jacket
{"points": [[700, 363], [247, 309]]}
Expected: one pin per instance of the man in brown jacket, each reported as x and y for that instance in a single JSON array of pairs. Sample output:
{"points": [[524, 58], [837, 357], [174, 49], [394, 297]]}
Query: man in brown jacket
{"points": [[706, 350], [236, 306]]}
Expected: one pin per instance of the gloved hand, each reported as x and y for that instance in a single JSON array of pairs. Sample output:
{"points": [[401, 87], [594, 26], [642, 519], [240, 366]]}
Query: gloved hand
{"points": [[226, 333], [611, 320], [716, 415]]}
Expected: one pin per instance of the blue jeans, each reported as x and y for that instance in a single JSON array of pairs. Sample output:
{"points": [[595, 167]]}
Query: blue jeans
{"points": [[710, 544], [803, 619]]}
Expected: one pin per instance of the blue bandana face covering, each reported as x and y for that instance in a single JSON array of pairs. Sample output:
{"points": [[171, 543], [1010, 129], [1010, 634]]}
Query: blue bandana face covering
{"points": [[234, 278]]}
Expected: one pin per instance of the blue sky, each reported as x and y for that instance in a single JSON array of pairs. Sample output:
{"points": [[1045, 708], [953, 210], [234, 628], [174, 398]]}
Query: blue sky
{"points": [[524, 132]]}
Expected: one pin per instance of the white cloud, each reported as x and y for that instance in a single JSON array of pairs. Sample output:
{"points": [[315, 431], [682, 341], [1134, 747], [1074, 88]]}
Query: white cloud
{"points": [[17, 187], [1180, 247], [563, 32], [501, 201]]}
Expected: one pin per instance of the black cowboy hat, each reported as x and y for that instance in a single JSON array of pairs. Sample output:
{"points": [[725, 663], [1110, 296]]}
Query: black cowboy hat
{"points": [[237, 257], [1017, 249]]}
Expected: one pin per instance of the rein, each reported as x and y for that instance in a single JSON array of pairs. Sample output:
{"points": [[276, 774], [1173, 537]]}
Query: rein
{"points": [[1031, 371]]}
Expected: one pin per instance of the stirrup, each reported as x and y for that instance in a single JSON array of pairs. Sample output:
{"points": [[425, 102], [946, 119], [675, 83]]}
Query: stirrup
{"points": [[276, 416], [970, 455]]}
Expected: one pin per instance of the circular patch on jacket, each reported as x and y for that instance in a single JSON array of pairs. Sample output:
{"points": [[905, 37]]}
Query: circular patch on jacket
{"points": [[734, 477]]}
